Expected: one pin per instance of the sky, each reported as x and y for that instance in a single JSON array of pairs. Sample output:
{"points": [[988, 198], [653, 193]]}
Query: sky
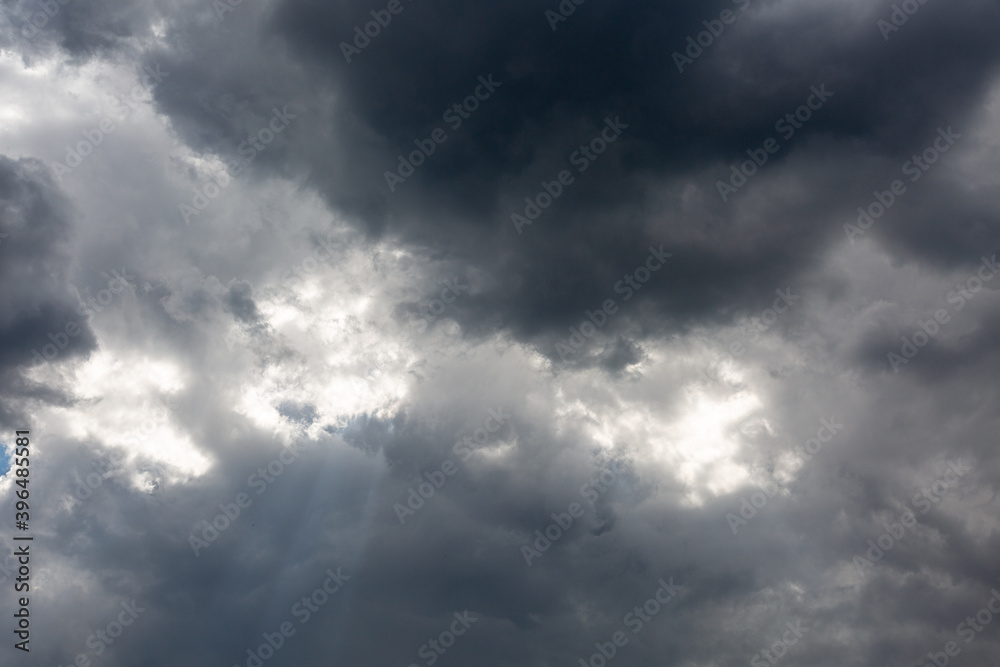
{"points": [[531, 333]]}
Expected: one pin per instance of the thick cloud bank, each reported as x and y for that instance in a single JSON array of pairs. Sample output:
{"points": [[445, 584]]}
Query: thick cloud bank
{"points": [[513, 333]]}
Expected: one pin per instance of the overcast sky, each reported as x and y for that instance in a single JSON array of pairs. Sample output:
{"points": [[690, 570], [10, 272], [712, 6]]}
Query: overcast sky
{"points": [[502, 333]]}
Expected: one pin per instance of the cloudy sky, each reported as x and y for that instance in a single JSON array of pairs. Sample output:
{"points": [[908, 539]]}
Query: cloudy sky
{"points": [[501, 333]]}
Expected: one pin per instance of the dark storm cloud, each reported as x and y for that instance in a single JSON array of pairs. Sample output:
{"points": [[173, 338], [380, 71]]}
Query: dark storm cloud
{"points": [[555, 90], [82, 29], [624, 397], [39, 319]]}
